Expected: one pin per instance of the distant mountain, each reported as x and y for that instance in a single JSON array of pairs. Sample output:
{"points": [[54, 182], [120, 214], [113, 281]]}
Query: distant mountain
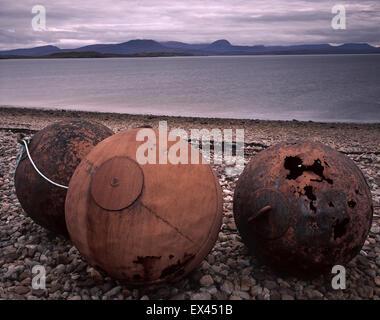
{"points": [[356, 46], [187, 46], [224, 47], [37, 51], [219, 47], [94, 54], [130, 47]]}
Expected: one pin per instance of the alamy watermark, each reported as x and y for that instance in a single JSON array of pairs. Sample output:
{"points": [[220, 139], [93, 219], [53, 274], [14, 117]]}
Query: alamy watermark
{"points": [[39, 20], [339, 20], [338, 282], [39, 280], [179, 152]]}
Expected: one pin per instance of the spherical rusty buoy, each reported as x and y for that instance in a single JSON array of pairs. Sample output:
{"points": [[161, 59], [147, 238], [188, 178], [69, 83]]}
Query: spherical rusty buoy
{"points": [[143, 223], [303, 207], [56, 151]]}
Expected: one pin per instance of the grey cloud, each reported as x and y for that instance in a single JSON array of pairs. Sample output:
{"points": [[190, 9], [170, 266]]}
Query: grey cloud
{"points": [[74, 23]]}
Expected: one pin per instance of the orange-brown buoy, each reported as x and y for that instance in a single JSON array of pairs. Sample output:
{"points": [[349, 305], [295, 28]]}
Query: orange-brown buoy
{"points": [[142, 223], [55, 151]]}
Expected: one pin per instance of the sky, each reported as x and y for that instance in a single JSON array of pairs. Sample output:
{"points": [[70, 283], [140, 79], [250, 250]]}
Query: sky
{"points": [[74, 23]]}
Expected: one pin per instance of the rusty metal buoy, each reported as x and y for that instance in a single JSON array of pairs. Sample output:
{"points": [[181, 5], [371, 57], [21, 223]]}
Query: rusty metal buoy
{"points": [[55, 151], [303, 207], [142, 223]]}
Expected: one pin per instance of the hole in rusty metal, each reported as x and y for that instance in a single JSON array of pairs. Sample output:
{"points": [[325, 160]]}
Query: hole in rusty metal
{"points": [[340, 228], [331, 204], [171, 256], [296, 168], [311, 196], [294, 165], [351, 203], [309, 193]]}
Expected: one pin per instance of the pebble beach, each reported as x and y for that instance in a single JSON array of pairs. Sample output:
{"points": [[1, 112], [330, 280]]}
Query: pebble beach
{"points": [[229, 272]]}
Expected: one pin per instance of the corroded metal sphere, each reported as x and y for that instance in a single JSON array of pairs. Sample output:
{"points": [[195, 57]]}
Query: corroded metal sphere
{"points": [[303, 207], [143, 223], [56, 151]]}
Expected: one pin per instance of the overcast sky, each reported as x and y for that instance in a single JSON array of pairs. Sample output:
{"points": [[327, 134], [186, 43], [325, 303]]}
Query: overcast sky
{"points": [[73, 23]]}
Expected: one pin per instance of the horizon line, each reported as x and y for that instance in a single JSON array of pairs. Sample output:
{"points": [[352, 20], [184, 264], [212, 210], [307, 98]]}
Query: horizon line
{"points": [[198, 43]]}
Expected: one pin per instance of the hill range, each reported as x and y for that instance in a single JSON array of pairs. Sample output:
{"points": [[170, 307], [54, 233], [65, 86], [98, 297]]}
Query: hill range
{"points": [[170, 48]]}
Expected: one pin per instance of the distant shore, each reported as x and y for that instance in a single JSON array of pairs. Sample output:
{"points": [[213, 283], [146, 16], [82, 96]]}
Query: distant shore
{"points": [[97, 55], [94, 54]]}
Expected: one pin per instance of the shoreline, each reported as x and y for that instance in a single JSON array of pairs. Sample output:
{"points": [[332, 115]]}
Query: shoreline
{"points": [[343, 136], [150, 116]]}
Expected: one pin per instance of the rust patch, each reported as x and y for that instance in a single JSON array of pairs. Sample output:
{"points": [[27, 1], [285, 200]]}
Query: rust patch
{"points": [[148, 263], [178, 268]]}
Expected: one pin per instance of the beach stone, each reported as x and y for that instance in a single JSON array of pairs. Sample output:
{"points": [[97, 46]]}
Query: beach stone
{"points": [[60, 269], [256, 291], [201, 296], [5, 207], [242, 294], [211, 290], [21, 289], [286, 297], [375, 229], [220, 296], [13, 271], [227, 287], [270, 284], [206, 281], [180, 296], [113, 291], [39, 292], [313, 294], [67, 286], [275, 296], [55, 287], [23, 275], [362, 260]]}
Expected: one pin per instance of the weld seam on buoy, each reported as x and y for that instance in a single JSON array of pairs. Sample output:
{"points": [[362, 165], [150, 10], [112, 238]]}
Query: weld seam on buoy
{"points": [[38, 171]]}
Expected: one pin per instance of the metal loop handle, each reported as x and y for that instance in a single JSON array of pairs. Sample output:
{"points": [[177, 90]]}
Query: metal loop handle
{"points": [[24, 140]]}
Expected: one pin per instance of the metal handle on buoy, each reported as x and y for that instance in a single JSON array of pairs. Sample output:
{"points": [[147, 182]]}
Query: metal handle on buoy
{"points": [[35, 167], [261, 212]]}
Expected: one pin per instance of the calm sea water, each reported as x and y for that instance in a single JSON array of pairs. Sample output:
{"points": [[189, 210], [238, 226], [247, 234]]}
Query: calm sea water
{"points": [[318, 88]]}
